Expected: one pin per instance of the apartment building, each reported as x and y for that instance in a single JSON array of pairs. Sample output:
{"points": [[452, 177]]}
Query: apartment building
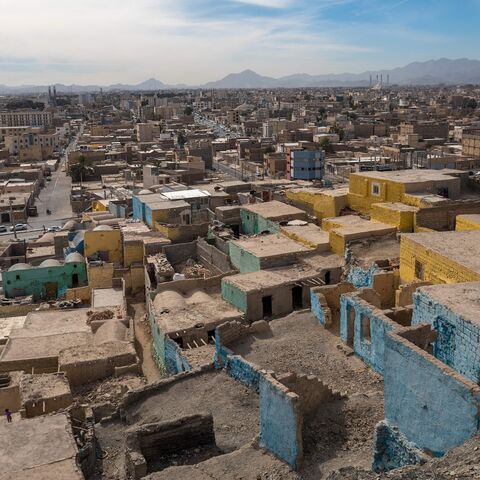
{"points": [[471, 143], [25, 118], [305, 165], [33, 139]]}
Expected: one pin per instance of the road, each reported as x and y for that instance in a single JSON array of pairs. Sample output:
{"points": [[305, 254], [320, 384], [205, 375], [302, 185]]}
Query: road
{"points": [[55, 196]]}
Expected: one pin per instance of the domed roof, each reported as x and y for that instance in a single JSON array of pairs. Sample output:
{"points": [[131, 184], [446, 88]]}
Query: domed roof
{"points": [[50, 262], [19, 266], [70, 225], [74, 257], [104, 228], [144, 192]]}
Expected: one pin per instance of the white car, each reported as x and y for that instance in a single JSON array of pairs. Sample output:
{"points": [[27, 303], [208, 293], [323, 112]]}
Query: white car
{"points": [[54, 228], [18, 227]]}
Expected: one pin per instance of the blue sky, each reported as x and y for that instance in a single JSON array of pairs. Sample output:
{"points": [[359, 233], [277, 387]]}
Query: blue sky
{"points": [[194, 41]]}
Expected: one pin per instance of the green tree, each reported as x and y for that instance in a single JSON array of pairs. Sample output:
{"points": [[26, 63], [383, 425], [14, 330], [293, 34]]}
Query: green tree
{"points": [[326, 145], [80, 169], [188, 110]]}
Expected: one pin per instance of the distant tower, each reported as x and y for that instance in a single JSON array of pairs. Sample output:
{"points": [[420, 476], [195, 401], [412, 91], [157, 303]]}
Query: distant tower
{"points": [[54, 95], [388, 80], [370, 80], [49, 95], [381, 80]]}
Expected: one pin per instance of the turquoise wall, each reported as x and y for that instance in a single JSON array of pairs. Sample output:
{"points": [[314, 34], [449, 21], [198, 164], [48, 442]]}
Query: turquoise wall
{"points": [[253, 224], [243, 260], [234, 295], [32, 281]]}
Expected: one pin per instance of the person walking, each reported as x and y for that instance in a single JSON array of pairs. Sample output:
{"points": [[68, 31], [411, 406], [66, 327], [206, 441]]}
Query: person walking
{"points": [[8, 414]]}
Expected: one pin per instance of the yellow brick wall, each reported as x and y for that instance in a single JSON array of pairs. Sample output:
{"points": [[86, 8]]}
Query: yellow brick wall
{"points": [[329, 224], [99, 206], [464, 223], [133, 251], [104, 241], [387, 213], [82, 293], [360, 197], [437, 268], [100, 276], [322, 204], [337, 242]]}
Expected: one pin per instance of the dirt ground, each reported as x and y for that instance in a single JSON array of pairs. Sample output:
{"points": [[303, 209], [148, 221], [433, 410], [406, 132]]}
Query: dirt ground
{"points": [[341, 433], [234, 407], [143, 341]]}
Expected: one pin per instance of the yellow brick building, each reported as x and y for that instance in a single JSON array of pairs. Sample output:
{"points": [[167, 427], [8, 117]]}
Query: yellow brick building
{"points": [[440, 257], [467, 222], [106, 242]]}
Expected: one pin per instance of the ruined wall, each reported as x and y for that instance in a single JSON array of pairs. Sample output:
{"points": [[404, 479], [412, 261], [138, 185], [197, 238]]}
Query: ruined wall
{"points": [[212, 258], [280, 421], [443, 217], [174, 360], [81, 293], [433, 406], [235, 365], [325, 302], [364, 327], [458, 340], [360, 277], [392, 450], [180, 252]]}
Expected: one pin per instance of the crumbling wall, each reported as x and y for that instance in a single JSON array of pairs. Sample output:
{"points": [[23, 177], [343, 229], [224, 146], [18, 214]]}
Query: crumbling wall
{"points": [[458, 340], [360, 277], [363, 327], [175, 361], [392, 450], [146, 442], [404, 293], [285, 402], [212, 258], [235, 365], [325, 303], [385, 284], [433, 406], [180, 252], [10, 391]]}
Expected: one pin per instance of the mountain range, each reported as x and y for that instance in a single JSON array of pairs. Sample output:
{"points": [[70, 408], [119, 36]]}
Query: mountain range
{"points": [[431, 72]]}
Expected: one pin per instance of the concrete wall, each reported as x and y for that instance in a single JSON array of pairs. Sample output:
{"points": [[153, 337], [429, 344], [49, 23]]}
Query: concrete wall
{"points": [[458, 340], [433, 406]]}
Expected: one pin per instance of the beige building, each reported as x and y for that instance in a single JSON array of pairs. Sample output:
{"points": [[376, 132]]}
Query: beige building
{"points": [[31, 142], [144, 132], [471, 143], [25, 118]]}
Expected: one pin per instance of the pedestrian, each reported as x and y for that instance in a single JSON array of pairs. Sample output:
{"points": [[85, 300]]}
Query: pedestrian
{"points": [[8, 414]]}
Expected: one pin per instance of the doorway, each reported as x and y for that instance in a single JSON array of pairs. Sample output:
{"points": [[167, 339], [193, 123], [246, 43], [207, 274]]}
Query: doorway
{"points": [[51, 290], [5, 218], [267, 306], [297, 298], [350, 325], [75, 280], [328, 277]]}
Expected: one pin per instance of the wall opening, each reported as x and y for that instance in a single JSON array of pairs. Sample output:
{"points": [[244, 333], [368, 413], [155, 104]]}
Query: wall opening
{"points": [[350, 326], [366, 329], [297, 298], [5, 218], [267, 306], [419, 270], [328, 278]]}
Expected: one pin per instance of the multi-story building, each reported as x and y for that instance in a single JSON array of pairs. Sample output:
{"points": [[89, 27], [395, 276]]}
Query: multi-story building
{"points": [[305, 165], [31, 142], [31, 118], [144, 132], [471, 143]]}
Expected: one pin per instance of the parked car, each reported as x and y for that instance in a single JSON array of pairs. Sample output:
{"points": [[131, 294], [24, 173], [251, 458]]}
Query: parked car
{"points": [[54, 228], [19, 226], [3, 229]]}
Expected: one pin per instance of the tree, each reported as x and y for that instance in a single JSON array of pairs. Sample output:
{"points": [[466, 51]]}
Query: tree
{"points": [[326, 145], [181, 139], [80, 169], [188, 110]]}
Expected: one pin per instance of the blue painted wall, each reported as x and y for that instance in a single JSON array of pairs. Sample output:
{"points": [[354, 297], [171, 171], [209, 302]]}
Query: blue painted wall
{"points": [[362, 278], [432, 408], [458, 341], [235, 365], [316, 308], [175, 362], [370, 350], [307, 165], [138, 208], [278, 423], [392, 450]]}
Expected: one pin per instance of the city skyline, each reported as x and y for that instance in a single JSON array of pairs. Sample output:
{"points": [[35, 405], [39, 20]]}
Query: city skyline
{"points": [[197, 41]]}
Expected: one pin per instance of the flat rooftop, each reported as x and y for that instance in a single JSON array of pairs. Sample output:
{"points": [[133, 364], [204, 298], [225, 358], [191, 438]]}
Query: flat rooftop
{"points": [[8, 324], [309, 267], [461, 298], [310, 233], [462, 248], [274, 210], [39, 448], [266, 246], [412, 176], [107, 297]]}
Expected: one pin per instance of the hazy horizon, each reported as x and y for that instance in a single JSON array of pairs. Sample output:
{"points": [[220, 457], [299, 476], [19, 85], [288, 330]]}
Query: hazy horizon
{"points": [[196, 41]]}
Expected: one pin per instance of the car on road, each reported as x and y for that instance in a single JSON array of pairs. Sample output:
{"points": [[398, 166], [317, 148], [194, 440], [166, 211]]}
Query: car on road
{"points": [[18, 227], [3, 229], [54, 228]]}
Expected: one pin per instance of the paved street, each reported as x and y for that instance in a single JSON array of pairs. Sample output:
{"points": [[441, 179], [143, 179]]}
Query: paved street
{"points": [[55, 196]]}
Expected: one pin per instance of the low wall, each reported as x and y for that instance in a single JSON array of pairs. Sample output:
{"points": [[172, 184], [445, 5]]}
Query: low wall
{"points": [[17, 310], [235, 365], [81, 293], [325, 303], [147, 442], [212, 258]]}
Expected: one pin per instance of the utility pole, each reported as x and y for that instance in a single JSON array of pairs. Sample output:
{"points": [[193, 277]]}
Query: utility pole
{"points": [[10, 200]]}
